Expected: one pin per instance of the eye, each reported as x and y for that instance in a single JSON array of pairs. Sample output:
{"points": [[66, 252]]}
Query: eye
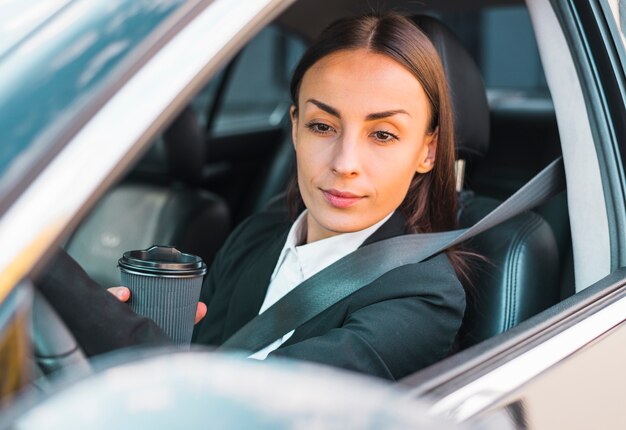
{"points": [[384, 136], [320, 128]]}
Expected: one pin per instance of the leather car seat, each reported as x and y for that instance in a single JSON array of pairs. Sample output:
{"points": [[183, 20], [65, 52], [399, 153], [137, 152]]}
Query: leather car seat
{"points": [[520, 272], [159, 203]]}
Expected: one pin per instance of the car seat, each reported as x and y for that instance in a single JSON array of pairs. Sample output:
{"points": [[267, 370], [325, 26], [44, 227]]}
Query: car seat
{"points": [[518, 274], [159, 203]]}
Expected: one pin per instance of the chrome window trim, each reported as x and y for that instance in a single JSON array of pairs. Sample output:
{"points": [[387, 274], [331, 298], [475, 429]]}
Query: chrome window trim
{"points": [[484, 391], [151, 96]]}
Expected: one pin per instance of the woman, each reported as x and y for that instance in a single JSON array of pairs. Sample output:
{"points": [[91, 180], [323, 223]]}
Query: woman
{"points": [[373, 137]]}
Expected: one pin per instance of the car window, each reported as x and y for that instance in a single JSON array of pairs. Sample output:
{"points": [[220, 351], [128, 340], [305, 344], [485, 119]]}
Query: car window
{"points": [[503, 67], [490, 36], [256, 95]]}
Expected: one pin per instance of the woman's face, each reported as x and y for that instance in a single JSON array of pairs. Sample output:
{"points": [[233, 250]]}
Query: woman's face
{"points": [[360, 135]]}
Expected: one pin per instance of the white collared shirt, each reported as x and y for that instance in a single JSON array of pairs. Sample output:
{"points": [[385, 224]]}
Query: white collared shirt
{"points": [[296, 263]]}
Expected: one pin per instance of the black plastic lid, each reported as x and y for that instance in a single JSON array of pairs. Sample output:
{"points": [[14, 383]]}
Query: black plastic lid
{"points": [[162, 261]]}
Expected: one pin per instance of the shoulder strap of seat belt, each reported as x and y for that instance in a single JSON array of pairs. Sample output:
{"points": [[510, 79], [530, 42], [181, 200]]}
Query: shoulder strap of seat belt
{"points": [[369, 262]]}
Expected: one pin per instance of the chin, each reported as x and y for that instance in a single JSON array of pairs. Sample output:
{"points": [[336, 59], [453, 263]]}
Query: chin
{"points": [[343, 223]]}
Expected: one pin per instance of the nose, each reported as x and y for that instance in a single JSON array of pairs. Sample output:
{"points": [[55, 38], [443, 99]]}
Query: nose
{"points": [[346, 162]]}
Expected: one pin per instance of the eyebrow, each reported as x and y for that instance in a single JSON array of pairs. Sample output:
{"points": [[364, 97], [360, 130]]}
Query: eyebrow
{"points": [[370, 117], [385, 114], [323, 106]]}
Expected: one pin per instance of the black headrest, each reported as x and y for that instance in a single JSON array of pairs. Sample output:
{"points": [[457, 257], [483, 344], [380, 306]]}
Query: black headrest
{"points": [[177, 157], [185, 147], [469, 98]]}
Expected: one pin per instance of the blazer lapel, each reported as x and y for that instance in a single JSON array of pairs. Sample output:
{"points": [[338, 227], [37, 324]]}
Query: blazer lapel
{"points": [[250, 291], [395, 226]]}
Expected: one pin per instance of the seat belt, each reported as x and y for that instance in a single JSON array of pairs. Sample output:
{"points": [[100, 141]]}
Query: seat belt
{"points": [[361, 267]]}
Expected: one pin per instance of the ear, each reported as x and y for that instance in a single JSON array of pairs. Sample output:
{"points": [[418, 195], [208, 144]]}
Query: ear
{"points": [[428, 154], [293, 115]]}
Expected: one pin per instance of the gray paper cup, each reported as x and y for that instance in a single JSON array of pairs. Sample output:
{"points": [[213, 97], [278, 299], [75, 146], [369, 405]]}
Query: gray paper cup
{"points": [[165, 286]]}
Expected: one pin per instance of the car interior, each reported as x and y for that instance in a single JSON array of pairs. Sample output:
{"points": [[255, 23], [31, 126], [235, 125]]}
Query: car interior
{"points": [[229, 154]]}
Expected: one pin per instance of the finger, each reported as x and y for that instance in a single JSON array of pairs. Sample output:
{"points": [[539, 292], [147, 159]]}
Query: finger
{"points": [[200, 312], [122, 293]]}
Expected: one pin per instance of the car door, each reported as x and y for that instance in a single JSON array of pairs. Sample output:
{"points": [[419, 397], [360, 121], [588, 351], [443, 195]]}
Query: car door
{"points": [[91, 150], [561, 368]]}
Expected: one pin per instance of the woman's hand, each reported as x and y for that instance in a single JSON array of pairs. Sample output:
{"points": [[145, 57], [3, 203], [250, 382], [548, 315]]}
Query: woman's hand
{"points": [[123, 294]]}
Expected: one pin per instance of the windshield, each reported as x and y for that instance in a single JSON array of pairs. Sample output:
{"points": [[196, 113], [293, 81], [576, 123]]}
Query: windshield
{"points": [[56, 68]]}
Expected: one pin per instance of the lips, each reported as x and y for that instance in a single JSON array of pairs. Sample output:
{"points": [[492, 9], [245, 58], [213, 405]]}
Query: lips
{"points": [[341, 199]]}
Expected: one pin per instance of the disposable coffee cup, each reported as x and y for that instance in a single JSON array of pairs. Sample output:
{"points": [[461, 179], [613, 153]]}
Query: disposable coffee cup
{"points": [[165, 286]]}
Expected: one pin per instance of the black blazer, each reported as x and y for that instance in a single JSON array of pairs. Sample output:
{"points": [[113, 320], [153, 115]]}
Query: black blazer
{"points": [[400, 323]]}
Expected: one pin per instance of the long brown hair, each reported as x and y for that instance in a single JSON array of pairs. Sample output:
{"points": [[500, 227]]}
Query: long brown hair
{"points": [[431, 201]]}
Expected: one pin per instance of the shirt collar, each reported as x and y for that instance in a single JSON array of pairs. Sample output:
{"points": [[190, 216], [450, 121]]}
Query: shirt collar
{"points": [[316, 256]]}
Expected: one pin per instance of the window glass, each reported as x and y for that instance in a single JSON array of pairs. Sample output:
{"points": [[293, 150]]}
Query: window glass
{"points": [[256, 95], [503, 44], [502, 66]]}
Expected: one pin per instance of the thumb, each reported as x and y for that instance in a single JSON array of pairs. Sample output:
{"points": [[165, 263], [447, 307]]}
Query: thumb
{"points": [[200, 312], [122, 293]]}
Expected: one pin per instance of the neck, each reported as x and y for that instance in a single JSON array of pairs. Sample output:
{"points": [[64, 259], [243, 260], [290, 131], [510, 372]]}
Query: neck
{"points": [[315, 232]]}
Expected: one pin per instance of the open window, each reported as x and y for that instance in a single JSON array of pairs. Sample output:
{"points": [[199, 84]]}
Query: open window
{"points": [[554, 73]]}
